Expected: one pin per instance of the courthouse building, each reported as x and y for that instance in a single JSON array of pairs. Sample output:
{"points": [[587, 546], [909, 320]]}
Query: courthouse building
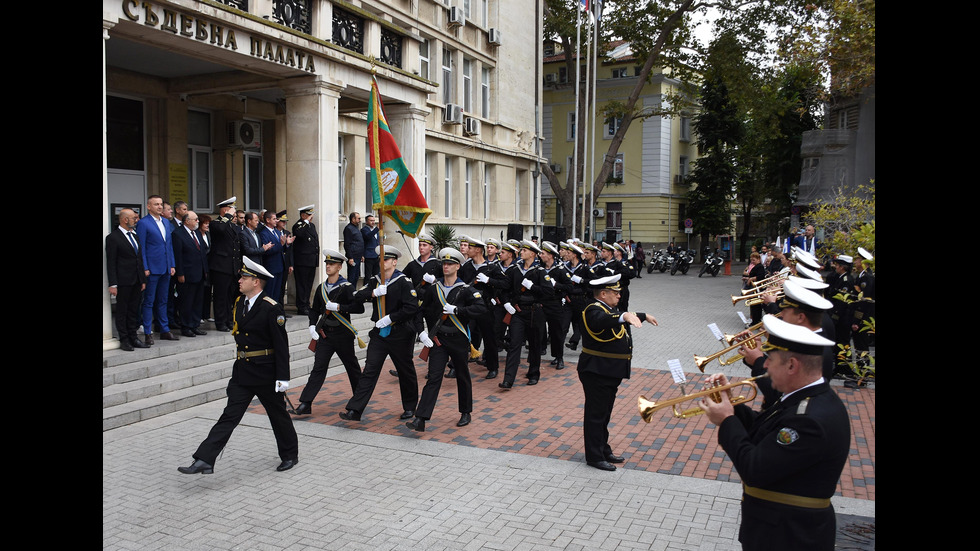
{"points": [[267, 100]]}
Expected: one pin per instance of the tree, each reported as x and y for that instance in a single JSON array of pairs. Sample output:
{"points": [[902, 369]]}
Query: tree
{"points": [[847, 221]]}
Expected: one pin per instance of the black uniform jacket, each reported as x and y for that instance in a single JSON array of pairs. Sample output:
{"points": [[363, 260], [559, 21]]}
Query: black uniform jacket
{"points": [[263, 328], [468, 301], [343, 294], [306, 247], [607, 348], [401, 303]]}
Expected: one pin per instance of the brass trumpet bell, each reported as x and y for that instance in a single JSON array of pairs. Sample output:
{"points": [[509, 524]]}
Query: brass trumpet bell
{"points": [[648, 407]]}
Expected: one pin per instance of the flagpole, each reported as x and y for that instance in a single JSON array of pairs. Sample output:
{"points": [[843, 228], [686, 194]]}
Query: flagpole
{"points": [[584, 125], [595, 74], [578, 129], [381, 218]]}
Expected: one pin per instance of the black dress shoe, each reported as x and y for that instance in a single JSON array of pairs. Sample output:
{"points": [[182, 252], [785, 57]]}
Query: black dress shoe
{"points": [[199, 331], [287, 464], [148, 339], [123, 345], [303, 409], [224, 329], [603, 466], [506, 384], [351, 415], [532, 382], [187, 333], [554, 361], [560, 364], [196, 467], [571, 345], [418, 425], [464, 420], [452, 373], [492, 374], [613, 458], [168, 336], [407, 414], [392, 372], [139, 344]]}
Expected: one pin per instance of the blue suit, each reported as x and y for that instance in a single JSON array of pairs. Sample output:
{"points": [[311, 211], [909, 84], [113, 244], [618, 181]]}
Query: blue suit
{"points": [[272, 260], [158, 258]]}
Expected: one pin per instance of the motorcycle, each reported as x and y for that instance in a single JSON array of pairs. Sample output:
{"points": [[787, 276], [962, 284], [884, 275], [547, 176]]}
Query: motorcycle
{"points": [[682, 261], [712, 264], [658, 261]]}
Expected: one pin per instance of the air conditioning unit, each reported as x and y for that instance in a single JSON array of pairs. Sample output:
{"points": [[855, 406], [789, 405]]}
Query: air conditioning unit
{"points": [[471, 126], [556, 168], [598, 213], [456, 17], [551, 79], [452, 114], [495, 37], [245, 134]]}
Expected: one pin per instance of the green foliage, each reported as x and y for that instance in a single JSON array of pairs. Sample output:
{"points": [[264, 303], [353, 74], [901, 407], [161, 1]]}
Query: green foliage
{"points": [[444, 236], [847, 221]]}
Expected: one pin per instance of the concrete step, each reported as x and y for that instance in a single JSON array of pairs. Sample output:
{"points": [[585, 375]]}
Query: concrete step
{"points": [[174, 375]]}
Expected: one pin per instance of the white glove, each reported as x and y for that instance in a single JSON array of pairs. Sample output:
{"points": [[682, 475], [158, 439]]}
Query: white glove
{"points": [[527, 283], [429, 278], [576, 279], [380, 290], [493, 301], [449, 309], [482, 278], [313, 333], [282, 386], [554, 282], [510, 309], [424, 337], [333, 306], [383, 322]]}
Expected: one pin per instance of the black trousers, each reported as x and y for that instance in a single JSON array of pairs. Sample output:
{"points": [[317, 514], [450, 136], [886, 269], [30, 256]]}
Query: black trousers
{"points": [[303, 275], [372, 267], [380, 348], [239, 398], [525, 324], [557, 320], [456, 347], [343, 346], [600, 396], [483, 328], [128, 302], [190, 296]]}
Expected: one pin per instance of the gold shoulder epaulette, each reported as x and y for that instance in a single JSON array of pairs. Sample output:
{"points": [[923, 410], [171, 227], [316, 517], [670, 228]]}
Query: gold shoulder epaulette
{"points": [[270, 300]]}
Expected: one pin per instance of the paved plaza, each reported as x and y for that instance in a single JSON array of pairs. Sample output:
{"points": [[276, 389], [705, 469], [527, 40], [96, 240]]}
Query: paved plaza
{"points": [[513, 479]]}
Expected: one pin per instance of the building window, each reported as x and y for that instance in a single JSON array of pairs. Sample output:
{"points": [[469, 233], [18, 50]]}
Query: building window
{"points": [[681, 216], [517, 195], [682, 166], [563, 75], [487, 172], [469, 189], [618, 168], [570, 135], [124, 134], [425, 179], [620, 72], [199, 160], [485, 87], [447, 75], [448, 188], [685, 129], [424, 58], [484, 13], [467, 85], [348, 30], [294, 14], [240, 4], [341, 169], [612, 126], [614, 216], [391, 48]]}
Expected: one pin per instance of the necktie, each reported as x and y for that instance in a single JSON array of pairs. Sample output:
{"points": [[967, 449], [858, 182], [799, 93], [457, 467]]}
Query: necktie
{"points": [[132, 241], [245, 313], [196, 242]]}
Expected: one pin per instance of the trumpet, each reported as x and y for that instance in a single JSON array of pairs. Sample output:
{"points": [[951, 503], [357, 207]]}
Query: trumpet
{"points": [[749, 342], [730, 338], [756, 297], [648, 408]]}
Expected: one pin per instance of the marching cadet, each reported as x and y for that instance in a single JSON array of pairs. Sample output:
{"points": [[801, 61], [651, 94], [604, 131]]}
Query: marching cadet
{"points": [[580, 275], [395, 305], [478, 272], [530, 286], [449, 305], [790, 456], [331, 328], [556, 309]]}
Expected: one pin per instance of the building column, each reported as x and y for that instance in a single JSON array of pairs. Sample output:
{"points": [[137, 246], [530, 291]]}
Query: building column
{"points": [[108, 342], [311, 154]]}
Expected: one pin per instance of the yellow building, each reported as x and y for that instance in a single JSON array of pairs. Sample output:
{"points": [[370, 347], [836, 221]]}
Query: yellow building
{"points": [[645, 197]]}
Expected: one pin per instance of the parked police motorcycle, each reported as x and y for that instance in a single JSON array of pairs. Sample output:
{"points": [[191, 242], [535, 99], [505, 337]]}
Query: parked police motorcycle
{"points": [[712, 264], [682, 261]]}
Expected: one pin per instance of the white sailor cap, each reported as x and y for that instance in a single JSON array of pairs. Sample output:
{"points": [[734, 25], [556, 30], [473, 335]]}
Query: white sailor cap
{"points": [[254, 269], [812, 274], [796, 296], [229, 202], [330, 255], [390, 252], [864, 253], [308, 209], [808, 283], [609, 282], [451, 255], [793, 338], [528, 244]]}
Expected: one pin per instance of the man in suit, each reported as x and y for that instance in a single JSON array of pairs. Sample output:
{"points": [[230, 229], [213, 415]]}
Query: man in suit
{"points": [[306, 257], [370, 235], [191, 263], [273, 259], [175, 215], [224, 262], [261, 369], [251, 244], [354, 248], [154, 233], [791, 455], [607, 351], [124, 267]]}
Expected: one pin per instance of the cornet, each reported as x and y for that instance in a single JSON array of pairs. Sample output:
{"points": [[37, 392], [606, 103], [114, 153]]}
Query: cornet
{"points": [[648, 408], [749, 342]]}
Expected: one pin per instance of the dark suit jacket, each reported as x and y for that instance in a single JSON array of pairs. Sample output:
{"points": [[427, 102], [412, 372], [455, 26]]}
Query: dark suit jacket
{"points": [[353, 242], [272, 259], [123, 265], [191, 261], [248, 247]]}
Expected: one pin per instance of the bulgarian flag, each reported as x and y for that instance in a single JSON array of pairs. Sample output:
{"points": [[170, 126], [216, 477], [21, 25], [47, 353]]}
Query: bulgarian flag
{"points": [[394, 191]]}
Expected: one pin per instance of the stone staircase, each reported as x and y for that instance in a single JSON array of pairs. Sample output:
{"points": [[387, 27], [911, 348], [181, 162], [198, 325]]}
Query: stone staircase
{"points": [[175, 375]]}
